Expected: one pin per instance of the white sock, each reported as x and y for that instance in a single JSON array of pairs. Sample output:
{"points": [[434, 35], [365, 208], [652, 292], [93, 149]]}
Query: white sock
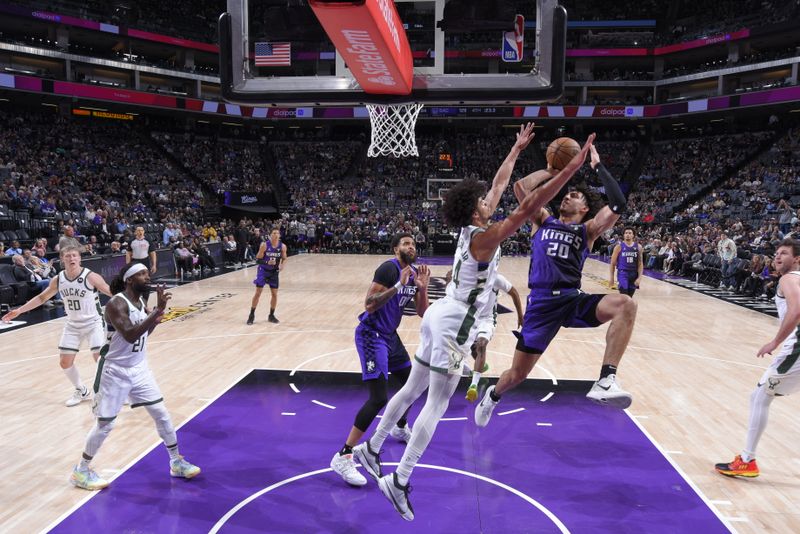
{"points": [[415, 386], [441, 389], [476, 377], [75, 377], [759, 414]]}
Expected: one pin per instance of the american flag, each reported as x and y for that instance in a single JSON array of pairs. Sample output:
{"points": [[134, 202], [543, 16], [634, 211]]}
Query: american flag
{"points": [[273, 54]]}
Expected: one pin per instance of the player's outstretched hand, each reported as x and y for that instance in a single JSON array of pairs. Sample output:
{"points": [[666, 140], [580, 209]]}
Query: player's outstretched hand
{"points": [[524, 136], [423, 277], [768, 348], [595, 161], [10, 316], [163, 297]]}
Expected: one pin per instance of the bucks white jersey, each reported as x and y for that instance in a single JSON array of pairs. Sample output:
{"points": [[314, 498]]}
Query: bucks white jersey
{"points": [[473, 281], [81, 299], [118, 350], [780, 303]]}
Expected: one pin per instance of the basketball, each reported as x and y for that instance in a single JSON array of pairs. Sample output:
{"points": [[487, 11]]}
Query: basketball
{"points": [[561, 151]]}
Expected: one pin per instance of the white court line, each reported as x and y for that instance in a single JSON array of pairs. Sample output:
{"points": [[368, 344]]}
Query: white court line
{"points": [[544, 424], [664, 351], [550, 515], [288, 413], [512, 411], [133, 462], [29, 359], [323, 404], [453, 419], [737, 519], [301, 364], [641, 417], [294, 388], [680, 471], [547, 397], [674, 452], [721, 503], [282, 332]]}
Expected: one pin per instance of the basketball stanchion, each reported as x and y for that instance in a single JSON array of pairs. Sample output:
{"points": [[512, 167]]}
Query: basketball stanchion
{"points": [[393, 130]]}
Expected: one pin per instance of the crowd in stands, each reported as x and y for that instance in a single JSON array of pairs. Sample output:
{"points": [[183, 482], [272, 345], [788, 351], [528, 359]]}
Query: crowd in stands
{"points": [[730, 234], [222, 164], [99, 181], [678, 168], [96, 180]]}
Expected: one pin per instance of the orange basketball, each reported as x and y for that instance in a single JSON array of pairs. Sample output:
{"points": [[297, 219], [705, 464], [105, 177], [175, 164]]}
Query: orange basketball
{"points": [[561, 151]]}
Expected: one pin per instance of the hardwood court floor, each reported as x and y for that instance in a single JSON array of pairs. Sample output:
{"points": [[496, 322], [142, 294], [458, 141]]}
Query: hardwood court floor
{"points": [[691, 366]]}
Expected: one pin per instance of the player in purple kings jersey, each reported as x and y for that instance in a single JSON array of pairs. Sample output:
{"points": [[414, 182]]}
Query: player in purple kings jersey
{"points": [[271, 259], [559, 247], [627, 260], [395, 283], [452, 323]]}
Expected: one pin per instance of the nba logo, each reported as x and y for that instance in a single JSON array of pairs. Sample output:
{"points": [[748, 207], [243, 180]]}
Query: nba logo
{"points": [[513, 42]]}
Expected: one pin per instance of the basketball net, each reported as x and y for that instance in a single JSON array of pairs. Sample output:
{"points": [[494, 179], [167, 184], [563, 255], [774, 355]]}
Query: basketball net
{"points": [[393, 130]]}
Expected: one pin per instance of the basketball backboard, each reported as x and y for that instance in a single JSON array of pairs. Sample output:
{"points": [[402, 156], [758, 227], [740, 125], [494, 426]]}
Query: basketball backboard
{"points": [[433, 83]]}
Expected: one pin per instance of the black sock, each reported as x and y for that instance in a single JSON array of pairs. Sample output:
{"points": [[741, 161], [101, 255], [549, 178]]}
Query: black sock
{"points": [[402, 422], [252, 311], [607, 369], [347, 449], [494, 396], [272, 312]]}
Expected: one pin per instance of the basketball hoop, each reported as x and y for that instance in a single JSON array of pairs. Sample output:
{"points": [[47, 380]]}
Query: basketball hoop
{"points": [[393, 130]]}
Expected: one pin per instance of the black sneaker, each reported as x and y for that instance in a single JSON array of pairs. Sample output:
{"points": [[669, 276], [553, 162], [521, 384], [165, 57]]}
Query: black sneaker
{"points": [[398, 495], [273, 319], [251, 318]]}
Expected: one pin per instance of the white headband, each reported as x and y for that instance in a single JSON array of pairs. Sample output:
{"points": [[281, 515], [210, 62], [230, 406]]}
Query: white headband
{"points": [[135, 268]]}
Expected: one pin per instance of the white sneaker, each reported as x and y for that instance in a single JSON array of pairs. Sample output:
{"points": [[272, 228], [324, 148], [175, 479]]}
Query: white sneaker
{"points": [[369, 459], [87, 479], [483, 411], [344, 465], [608, 392], [181, 468], [401, 433], [78, 397], [397, 495]]}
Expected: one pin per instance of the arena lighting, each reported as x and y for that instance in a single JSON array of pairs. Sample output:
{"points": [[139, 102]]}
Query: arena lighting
{"points": [[795, 111], [48, 104], [233, 124]]}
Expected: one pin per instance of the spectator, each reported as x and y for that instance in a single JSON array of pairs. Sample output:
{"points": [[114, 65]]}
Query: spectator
{"points": [[726, 249], [14, 249]]}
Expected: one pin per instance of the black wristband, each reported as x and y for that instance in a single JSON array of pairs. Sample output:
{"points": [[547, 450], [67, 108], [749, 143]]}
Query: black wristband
{"points": [[616, 200]]}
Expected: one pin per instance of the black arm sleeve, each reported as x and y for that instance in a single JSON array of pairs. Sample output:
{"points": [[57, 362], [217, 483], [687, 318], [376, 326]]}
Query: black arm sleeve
{"points": [[616, 200], [386, 275]]}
